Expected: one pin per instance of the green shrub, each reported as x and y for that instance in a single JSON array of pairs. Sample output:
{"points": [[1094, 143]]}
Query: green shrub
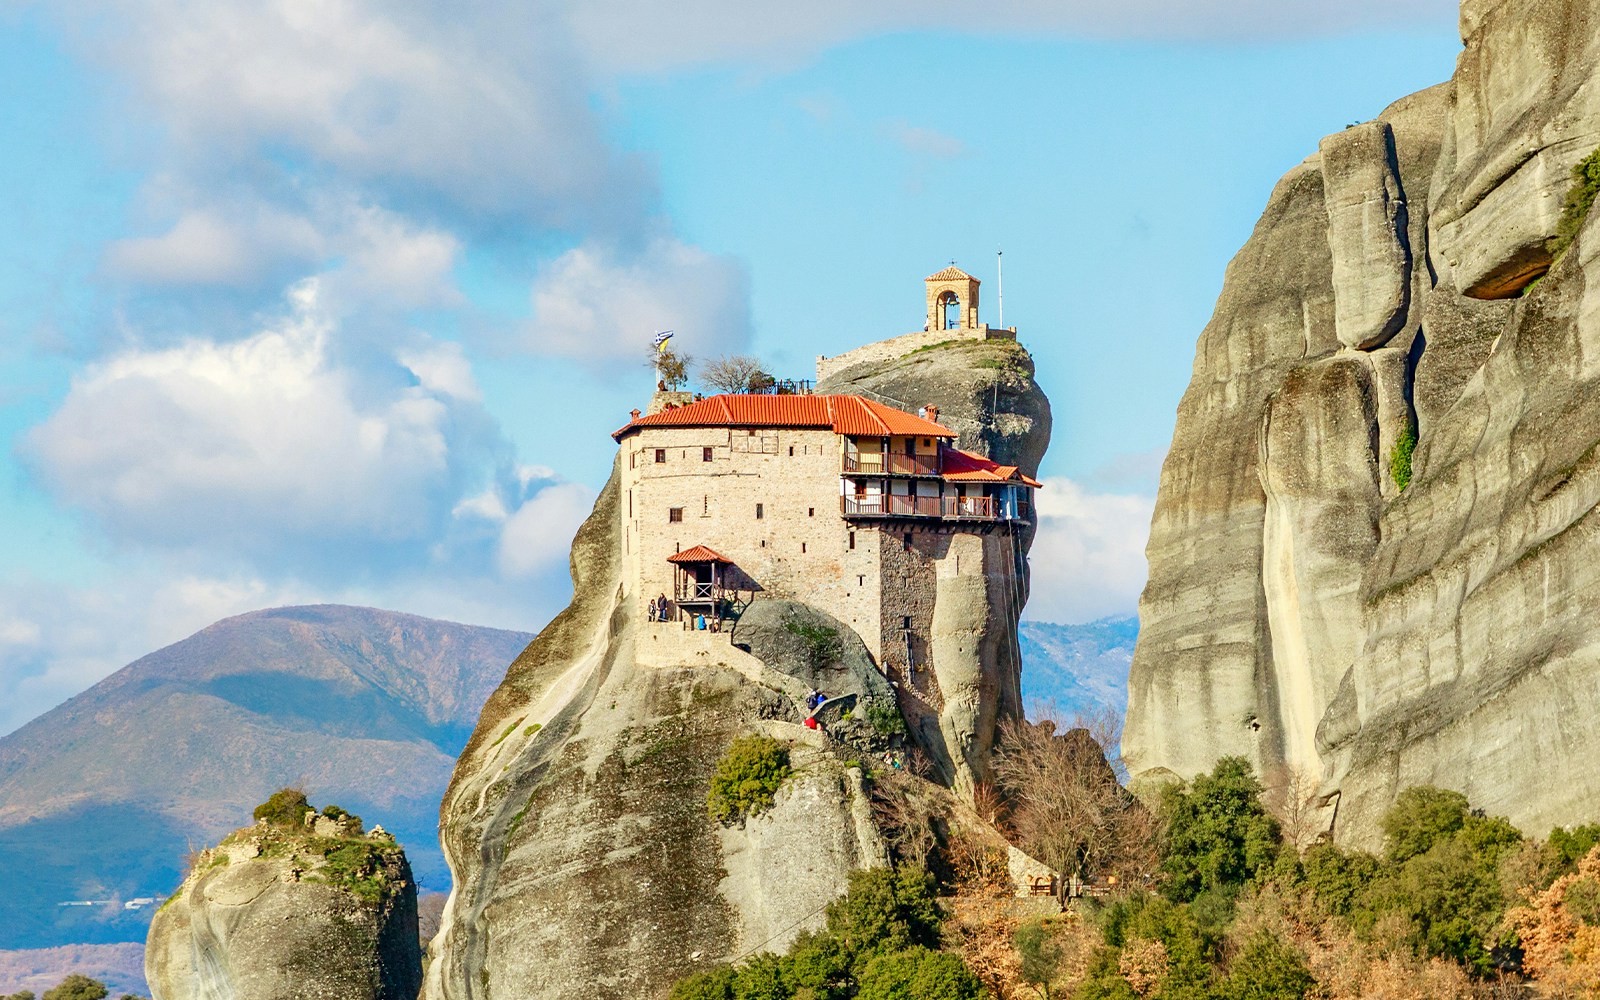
{"points": [[1570, 845], [1337, 878], [918, 974], [1218, 833], [1267, 968], [885, 910], [1400, 457], [716, 984], [76, 987], [1421, 817], [285, 807], [886, 718], [747, 778], [358, 867], [1580, 197]]}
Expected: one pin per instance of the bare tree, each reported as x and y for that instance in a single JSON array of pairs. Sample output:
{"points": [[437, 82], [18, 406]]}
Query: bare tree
{"points": [[1291, 795], [1068, 809], [672, 368], [907, 815], [735, 373]]}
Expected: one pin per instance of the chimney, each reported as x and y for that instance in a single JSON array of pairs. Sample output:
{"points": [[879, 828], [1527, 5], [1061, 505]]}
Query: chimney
{"points": [[933, 412], [635, 414]]}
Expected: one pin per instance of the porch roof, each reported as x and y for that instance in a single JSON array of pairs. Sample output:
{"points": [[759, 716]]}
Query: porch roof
{"points": [[699, 554]]}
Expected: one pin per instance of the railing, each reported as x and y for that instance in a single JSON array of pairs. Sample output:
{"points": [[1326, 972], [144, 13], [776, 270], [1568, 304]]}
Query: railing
{"points": [[882, 505], [697, 593], [878, 464], [785, 387]]}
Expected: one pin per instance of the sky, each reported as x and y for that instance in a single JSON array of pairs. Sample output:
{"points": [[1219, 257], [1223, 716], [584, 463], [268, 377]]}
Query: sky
{"points": [[338, 300]]}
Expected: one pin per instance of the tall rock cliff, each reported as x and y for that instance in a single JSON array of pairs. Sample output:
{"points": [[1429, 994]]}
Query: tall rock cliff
{"points": [[576, 826], [1304, 610], [326, 912]]}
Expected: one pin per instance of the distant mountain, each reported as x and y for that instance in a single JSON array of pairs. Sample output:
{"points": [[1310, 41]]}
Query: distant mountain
{"points": [[101, 797], [119, 966], [1079, 669]]}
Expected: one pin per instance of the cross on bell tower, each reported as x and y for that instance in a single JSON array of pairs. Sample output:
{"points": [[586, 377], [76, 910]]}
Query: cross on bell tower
{"points": [[952, 299]]}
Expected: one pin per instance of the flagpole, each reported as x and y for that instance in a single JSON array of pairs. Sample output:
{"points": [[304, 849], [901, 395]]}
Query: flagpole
{"points": [[1000, 286]]}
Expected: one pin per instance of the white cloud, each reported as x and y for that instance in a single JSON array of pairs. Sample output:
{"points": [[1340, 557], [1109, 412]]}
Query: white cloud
{"points": [[538, 535], [601, 305], [482, 107], [920, 141], [644, 36], [212, 247], [265, 445], [1088, 557]]}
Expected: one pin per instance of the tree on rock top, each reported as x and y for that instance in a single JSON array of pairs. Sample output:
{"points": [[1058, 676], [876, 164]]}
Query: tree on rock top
{"points": [[285, 807]]}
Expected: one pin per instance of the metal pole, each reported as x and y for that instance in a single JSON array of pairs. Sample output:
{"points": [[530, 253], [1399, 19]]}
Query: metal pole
{"points": [[1000, 286]]}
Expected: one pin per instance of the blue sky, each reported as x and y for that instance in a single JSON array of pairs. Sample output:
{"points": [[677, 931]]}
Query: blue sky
{"points": [[337, 300]]}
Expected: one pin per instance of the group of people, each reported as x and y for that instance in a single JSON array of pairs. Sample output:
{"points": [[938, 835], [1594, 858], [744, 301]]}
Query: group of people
{"points": [[660, 608]]}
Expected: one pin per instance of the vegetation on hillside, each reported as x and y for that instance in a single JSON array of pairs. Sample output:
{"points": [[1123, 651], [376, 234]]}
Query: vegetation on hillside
{"points": [[747, 778], [75, 987], [1203, 897], [1400, 457], [1580, 198]]}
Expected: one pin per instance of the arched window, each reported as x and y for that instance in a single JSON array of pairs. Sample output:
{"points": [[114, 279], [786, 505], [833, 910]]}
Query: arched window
{"points": [[950, 309]]}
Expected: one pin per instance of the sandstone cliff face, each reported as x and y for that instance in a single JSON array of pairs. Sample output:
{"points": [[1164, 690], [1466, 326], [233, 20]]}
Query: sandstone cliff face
{"points": [[266, 916], [1302, 610], [576, 828]]}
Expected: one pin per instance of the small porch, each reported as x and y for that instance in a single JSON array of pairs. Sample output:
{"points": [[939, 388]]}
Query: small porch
{"points": [[705, 589]]}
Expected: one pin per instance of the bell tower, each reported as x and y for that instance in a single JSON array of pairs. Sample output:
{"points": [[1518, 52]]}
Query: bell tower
{"points": [[952, 300]]}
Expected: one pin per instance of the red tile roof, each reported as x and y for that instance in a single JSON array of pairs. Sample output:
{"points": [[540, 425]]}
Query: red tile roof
{"points": [[951, 273], [698, 554], [965, 467], [850, 415]]}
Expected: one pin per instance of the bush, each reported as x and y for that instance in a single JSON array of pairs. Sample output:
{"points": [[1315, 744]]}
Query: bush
{"points": [[886, 718], [1219, 836], [918, 974], [285, 807], [885, 910], [747, 778], [1421, 817], [1580, 198], [1570, 845], [820, 644], [76, 987], [1267, 969], [1400, 457]]}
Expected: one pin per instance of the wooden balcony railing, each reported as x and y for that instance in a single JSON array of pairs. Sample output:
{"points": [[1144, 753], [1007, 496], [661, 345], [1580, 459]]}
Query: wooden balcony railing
{"points": [[881, 505], [877, 464]]}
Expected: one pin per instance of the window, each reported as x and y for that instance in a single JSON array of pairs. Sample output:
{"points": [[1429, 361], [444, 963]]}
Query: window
{"points": [[705, 454], [705, 506], [674, 514], [811, 512], [861, 581], [852, 539], [905, 622], [633, 460], [791, 451], [908, 539], [760, 512], [802, 548], [661, 455], [630, 503]]}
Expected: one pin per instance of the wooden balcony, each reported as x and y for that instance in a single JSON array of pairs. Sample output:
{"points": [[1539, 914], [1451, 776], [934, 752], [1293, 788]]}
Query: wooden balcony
{"points": [[951, 508], [878, 464]]}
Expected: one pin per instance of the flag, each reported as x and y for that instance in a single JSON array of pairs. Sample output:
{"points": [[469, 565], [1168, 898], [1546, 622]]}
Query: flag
{"points": [[661, 340]]}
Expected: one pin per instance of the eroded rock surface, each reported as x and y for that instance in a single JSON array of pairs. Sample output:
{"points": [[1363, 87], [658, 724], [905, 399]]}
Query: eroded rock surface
{"points": [[1304, 611], [270, 916], [576, 826]]}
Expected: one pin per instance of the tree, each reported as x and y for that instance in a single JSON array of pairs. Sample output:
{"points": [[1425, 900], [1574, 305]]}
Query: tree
{"points": [[918, 974], [77, 987], [1218, 834], [1421, 817], [735, 373], [1068, 809], [1267, 969], [285, 807], [671, 367]]}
